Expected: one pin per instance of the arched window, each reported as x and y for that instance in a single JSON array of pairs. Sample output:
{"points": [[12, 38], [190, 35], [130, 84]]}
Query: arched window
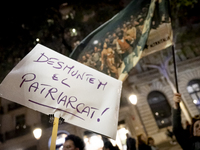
{"points": [[193, 89], [160, 108]]}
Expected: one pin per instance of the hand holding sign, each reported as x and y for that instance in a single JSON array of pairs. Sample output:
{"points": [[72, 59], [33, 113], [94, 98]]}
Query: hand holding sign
{"points": [[51, 83]]}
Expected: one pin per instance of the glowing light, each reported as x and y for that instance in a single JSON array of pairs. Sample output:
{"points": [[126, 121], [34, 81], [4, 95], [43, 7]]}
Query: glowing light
{"points": [[74, 30], [118, 141], [122, 133], [86, 140], [67, 16], [195, 101], [37, 39], [37, 133], [133, 99], [95, 42], [162, 121], [94, 142], [60, 141], [156, 113], [97, 140]]}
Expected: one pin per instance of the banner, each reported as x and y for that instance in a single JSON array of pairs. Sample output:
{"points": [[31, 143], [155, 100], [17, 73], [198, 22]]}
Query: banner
{"points": [[51, 83], [114, 48]]}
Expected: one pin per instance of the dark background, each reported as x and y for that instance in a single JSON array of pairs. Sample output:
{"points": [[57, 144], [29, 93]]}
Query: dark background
{"points": [[22, 22]]}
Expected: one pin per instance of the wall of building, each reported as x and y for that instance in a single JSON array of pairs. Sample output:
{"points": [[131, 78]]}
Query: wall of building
{"points": [[145, 82]]}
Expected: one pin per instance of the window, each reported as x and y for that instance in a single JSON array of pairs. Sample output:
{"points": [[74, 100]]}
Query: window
{"points": [[193, 89], [160, 108], [20, 122]]}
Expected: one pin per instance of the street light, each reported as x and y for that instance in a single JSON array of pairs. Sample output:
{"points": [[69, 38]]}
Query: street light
{"points": [[37, 132], [133, 100]]}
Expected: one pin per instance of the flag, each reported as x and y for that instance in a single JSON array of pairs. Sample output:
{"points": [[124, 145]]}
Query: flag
{"points": [[141, 28]]}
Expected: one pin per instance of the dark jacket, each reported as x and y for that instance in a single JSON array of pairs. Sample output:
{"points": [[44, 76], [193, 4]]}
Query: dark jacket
{"points": [[143, 146], [186, 142], [131, 144]]}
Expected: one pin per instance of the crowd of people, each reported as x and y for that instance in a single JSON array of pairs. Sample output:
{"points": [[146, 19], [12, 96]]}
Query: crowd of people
{"points": [[142, 143], [188, 137], [73, 142], [107, 55]]}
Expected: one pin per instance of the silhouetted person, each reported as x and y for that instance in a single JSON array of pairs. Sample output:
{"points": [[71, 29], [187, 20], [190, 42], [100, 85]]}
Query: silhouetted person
{"points": [[142, 142], [151, 143], [130, 142], [191, 142], [108, 146], [73, 142]]}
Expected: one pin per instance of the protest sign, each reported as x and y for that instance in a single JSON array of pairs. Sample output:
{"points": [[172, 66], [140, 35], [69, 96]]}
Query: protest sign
{"points": [[51, 83]]}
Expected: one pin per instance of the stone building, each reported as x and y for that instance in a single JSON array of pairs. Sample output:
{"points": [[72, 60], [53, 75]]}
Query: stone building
{"points": [[153, 82]]}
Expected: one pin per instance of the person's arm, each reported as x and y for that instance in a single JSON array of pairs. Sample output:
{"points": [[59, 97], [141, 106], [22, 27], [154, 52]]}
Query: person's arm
{"points": [[119, 50], [177, 112], [178, 130]]}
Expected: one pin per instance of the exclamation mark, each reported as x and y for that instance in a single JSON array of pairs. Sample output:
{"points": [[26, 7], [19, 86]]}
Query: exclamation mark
{"points": [[102, 114]]}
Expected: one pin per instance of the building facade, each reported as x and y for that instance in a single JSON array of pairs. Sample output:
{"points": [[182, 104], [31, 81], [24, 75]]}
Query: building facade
{"points": [[153, 82]]}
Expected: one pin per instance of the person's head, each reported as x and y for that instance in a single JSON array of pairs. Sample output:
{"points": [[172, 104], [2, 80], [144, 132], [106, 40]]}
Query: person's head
{"points": [[127, 135], [105, 45], [196, 126], [83, 57], [150, 141], [141, 139], [88, 55], [73, 142], [114, 35], [124, 25], [108, 146], [95, 49], [187, 123], [120, 34]]}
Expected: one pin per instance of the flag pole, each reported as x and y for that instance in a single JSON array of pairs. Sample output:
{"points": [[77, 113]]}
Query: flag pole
{"points": [[175, 70], [54, 133], [182, 104]]}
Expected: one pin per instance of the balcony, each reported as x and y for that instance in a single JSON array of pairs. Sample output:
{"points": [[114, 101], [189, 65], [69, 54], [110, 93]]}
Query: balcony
{"points": [[17, 133]]}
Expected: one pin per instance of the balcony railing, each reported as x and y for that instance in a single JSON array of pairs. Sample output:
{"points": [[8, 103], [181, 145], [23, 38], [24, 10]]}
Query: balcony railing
{"points": [[17, 133]]}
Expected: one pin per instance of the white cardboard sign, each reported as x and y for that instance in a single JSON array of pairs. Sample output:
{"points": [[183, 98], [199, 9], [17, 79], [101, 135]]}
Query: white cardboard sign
{"points": [[51, 83]]}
